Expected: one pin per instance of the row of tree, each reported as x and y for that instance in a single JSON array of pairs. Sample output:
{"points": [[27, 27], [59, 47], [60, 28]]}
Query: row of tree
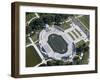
{"points": [[49, 19]]}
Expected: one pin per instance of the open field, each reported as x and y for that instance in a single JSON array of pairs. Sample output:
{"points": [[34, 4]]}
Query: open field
{"points": [[57, 43], [32, 57], [65, 25], [85, 20]]}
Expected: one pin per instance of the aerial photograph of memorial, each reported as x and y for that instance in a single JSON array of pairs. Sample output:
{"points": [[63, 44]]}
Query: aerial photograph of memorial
{"points": [[54, 39]]}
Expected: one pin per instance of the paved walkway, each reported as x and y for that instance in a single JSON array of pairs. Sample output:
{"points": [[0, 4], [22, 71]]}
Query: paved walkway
{"points": [[33, 44], [39, 53]]}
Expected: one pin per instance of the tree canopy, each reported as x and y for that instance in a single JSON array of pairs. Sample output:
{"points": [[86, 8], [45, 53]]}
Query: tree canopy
{"points": [[46, 18], [37, 24]]}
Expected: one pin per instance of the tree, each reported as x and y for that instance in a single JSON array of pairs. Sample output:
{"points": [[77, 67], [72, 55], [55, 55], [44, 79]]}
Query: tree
{"points": [[86, 48], [58, 19], [76, 60], [28, 29], [37, 24], [48, 19], [33, 27], [78, 49], [59, 62]]}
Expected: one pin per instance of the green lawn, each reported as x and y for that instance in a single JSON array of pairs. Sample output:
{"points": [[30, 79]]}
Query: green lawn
{"points": [[35, 36], [32, 57], [85, 20], [80, 43], [85, 58], [29, 15], [65, 25]]}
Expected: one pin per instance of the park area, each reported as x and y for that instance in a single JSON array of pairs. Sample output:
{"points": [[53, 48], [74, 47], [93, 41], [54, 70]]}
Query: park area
{"points": [[43, 30]]}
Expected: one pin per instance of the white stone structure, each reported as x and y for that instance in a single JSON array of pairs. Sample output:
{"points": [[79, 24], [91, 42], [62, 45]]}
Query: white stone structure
{"points": [[43, 38]]}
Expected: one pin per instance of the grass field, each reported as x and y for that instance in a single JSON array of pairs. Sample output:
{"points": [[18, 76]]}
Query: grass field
{"points": [[65, 25], [32, 57], [57, 43], [35, 36], [85, 20]]}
